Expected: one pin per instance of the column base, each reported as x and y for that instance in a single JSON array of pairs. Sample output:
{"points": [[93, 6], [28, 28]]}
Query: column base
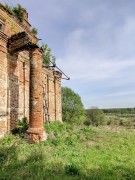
{"points": [[35, 135]]}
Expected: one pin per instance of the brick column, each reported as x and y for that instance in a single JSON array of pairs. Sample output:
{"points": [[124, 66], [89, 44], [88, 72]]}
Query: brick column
{"points": [[36, 131]]}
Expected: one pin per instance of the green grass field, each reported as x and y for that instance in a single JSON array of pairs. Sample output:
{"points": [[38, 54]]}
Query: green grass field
{"points": [[71, 152]]}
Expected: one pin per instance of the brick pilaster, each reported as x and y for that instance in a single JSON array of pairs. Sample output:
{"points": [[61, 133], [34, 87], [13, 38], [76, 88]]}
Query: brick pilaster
{"points": [[57, 95], [3, 84]]}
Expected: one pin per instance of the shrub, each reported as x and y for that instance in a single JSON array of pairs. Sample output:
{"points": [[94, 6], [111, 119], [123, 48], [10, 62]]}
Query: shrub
{"points": [[120, 121], [125, 122], [72, 169], [111, 121], [95, 117], [22, 127]]}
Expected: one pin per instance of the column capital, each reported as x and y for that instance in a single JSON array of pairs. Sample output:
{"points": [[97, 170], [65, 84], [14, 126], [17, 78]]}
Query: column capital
{"points": [[37, 50]]}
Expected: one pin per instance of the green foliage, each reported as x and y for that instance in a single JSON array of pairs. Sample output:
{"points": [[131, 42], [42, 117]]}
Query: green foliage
{"points": [[53, 60], [120, 121], [120, 111], [72, 107], [17, 11], [34, 31], [96, 153], [57, 127], [72, 169], [95, 117], [22, 127], [8, 139], [120, 116], [8, 9], [47, 57]]}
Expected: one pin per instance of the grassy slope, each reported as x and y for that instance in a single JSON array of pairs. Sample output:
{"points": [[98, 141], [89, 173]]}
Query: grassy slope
{"points": [[71, 152]]}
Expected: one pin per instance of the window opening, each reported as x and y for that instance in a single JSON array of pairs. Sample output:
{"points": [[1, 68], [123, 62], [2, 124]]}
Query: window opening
{"points": [[1, 27]]}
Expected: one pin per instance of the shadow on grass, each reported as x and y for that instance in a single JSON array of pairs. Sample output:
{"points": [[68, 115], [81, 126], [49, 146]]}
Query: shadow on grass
{"points": [[36, 167]]}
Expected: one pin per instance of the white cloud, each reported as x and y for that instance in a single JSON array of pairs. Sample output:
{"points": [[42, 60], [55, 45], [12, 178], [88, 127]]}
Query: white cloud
{"points": [[85, 64]]}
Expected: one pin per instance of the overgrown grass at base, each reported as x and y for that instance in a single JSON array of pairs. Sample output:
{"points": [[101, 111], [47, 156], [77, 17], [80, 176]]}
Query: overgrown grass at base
{"points": [[71, 152]]}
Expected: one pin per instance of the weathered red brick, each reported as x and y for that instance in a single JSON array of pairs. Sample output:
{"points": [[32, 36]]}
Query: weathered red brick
{"points": [[16, 81]]}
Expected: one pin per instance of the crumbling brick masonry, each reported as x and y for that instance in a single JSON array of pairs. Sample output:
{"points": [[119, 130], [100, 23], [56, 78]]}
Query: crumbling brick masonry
{"points": [[27, 88]]}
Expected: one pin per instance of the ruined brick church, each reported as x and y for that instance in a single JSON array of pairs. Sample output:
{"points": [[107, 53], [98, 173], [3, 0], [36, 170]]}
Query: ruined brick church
{"points": [[27, 88]]}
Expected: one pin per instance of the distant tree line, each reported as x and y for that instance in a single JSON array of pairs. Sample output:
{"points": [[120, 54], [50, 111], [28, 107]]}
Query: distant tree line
{"points": [[120, 110]]}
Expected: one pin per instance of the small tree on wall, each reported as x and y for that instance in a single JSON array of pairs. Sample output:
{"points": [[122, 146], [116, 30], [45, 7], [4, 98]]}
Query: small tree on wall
{"points": [[34, 31], [72, 107], [47, 57]]}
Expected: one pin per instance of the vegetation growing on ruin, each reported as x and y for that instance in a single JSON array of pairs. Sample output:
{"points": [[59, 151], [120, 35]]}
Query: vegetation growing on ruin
{"points": [[47, 57], [17, 11], [71, 152], [8, 9], [21, 127], [34, 31]]}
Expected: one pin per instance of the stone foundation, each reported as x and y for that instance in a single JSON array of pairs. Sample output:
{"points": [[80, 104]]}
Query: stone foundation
{"points": [[36, 135]]}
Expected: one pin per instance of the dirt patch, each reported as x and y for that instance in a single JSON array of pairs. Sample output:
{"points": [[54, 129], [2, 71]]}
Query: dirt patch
{"points": [[91, 144]]}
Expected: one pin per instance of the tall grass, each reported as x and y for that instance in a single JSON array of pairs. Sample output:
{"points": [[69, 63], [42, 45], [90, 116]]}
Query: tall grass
{"points": [[71, 152]]}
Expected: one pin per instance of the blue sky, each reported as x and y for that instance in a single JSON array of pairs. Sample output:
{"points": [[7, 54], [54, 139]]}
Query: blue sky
{"points": [[93, 42]]}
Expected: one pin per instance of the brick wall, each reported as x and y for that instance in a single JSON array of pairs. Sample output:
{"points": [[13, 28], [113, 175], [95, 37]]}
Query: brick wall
{"points": [[3, 84], [15, 84], [13, 26], [15, 80], [18, 87], [52, 81], [58, 93]]}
